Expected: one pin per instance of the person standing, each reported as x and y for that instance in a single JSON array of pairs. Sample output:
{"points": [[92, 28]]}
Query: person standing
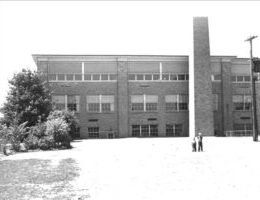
{"points": [[200, 145], [194, 145]]}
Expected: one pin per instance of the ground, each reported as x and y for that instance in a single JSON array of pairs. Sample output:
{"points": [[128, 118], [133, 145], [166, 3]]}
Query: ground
{"points": [[136, 168]]}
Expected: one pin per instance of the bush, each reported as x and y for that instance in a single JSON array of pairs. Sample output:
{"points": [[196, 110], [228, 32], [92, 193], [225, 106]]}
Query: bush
{"points": [[59, 129], [70, 118], [15, 135]]}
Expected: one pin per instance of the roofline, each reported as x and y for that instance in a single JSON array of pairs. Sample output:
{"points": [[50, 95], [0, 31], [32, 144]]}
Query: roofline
{"points": [[49, 57]]}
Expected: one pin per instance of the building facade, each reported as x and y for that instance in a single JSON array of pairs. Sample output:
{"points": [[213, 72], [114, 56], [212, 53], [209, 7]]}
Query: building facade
{"points": [[148, 95]]}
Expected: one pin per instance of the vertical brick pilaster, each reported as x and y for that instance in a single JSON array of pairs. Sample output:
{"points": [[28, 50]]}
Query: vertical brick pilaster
{"points": [[122, 97]]}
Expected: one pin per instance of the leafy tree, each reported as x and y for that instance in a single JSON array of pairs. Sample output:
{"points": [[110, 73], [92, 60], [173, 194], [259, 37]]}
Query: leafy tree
{"points": [[28, 99]]}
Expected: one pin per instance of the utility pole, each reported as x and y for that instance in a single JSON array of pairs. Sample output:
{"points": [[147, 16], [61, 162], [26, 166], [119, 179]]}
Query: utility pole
{"points": [[253, 95]]}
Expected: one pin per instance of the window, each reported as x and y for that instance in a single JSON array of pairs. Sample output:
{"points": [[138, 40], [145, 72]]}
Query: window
{"points": [[131, 77], [100, 103], [148, 77], [183, 102], [93, 132], [181, 77], [176, 102], [78, 77], [104, 77], [151, 102], [241, 102], [107, 103], [145, 130], [215, 102], [140, 77], [73, 103], [171, 102], [144, 102], [241, 78], [93, 103], [156, 77], [96, 77], [173, 77], [165, 77], [87, 77], [69, 77], [52, 77], [61, 77], [173, 130], [58, 102], [137, 102]]}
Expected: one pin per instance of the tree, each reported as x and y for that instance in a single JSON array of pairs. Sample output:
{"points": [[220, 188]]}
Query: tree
{"points": [[28, 99]]}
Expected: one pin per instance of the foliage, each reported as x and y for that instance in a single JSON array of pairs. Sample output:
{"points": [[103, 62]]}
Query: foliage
{"points": [[59, 129], [69, 117], [28, 99], [15, 135]]}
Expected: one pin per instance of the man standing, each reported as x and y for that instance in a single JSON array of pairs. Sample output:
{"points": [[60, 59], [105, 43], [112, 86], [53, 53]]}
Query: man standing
{"points": [[200, 146]]}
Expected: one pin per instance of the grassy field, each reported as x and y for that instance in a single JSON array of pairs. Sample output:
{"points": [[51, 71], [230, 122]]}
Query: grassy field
{"points": [[152, 168]]}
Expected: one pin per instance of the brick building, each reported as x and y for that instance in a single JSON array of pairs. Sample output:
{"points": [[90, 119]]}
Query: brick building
{"points": [[148, 95]]}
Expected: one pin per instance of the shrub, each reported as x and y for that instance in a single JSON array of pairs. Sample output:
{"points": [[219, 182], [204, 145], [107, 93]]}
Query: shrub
{"points": [[70, 118], [15, 135], [59, 129]]}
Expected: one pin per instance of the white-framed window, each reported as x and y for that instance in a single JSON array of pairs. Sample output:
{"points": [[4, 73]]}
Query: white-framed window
{"points": [[157, 77], [73, 103], [93, 132], [241, 78], [176, 102], [144, 102], [59, 102], [66, 102], [173, 130], [145, 130], [100, 103], [241, 102]]}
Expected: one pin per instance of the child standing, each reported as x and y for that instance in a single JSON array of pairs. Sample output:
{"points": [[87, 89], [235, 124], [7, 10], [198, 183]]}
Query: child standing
{"points": [[194, 145]]}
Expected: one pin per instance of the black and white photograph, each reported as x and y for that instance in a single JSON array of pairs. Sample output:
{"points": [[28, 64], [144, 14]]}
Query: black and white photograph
{"points": [[129, 100]]}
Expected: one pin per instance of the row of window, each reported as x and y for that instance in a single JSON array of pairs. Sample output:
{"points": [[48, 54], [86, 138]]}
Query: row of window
{"points": [[236, 79], [80, 77], [144, 130], [106, 103], [158, 77]]}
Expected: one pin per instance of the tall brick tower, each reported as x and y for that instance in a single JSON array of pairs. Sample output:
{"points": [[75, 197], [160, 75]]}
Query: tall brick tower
{"points": [[203, 112]]}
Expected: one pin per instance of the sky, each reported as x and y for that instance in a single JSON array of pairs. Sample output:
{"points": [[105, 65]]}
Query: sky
{"points": [[113, 27]]}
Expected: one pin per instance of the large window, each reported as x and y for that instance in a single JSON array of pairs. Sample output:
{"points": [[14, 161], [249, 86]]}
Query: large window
{"points": [[58, 102], [241, 102], [100, 103], [173, 130], [144, 102], [93, 132], [73, 103], [176, 102], [145, 130], [66, 102]]}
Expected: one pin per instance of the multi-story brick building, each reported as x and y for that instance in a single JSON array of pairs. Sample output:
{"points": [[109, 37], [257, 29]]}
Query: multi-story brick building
{"points": [[148, 95]]}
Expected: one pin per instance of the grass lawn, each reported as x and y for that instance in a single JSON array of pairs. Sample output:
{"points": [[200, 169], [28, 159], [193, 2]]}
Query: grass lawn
{"points": [[152, 168]]}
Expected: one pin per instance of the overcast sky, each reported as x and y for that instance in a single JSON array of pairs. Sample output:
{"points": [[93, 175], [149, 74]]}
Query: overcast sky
{"points": [[119, 28]]}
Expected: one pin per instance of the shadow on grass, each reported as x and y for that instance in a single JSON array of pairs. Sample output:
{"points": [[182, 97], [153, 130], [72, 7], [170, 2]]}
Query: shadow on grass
{"points": [[35, 178]]}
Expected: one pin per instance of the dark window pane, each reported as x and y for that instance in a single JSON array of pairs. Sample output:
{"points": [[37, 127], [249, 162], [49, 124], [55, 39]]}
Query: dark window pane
{"points": [[181, 77], [104, 77], [156, 76], [78, 77], [112, 77], [61, 77], [96, 77], [87, 77], [140, 77], [148, 77], [165, 77], [131, 77], [173, 77]]}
